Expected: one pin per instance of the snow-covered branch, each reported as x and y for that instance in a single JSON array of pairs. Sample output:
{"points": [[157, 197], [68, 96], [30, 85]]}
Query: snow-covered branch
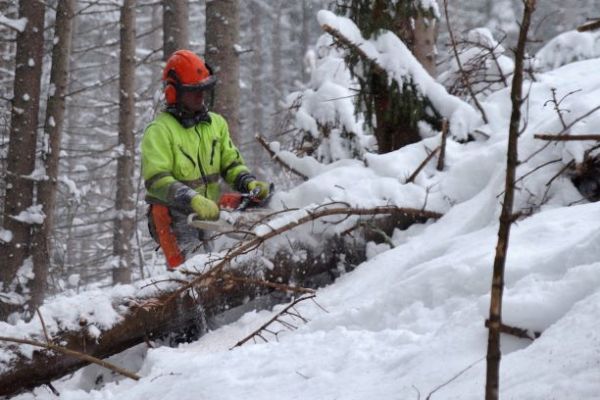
{"points": [[14, 24]]}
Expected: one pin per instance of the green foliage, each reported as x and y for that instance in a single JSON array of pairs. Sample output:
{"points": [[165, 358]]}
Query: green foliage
{"points": [[406, 105], [374, 16], [394, 106], [332, 144]]}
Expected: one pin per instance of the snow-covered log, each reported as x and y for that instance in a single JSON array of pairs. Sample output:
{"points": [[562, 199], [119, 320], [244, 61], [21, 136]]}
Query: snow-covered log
{"points": [[191, 306], [226, 288], [207, 306]]}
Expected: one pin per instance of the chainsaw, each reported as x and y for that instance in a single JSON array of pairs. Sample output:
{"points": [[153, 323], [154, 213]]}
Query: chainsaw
{"points": [[239, 212]]}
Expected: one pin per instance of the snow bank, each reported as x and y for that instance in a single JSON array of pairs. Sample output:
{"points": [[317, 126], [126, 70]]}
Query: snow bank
{"points": [[568, 47]]}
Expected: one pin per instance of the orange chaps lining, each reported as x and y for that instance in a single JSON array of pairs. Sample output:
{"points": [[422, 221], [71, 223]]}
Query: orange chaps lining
{"points": [[166, 237]]}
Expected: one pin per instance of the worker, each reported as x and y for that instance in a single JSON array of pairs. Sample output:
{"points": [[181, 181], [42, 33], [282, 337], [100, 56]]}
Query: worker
{"points": [[185, 150]]}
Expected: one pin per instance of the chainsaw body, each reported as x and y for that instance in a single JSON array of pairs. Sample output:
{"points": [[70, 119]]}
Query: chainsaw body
{"points": [[239, 212]]}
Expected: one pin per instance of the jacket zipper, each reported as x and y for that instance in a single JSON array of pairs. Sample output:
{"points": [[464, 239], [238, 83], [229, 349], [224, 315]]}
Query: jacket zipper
{"points": [[212, 152], [187, 156], [202, 172]]}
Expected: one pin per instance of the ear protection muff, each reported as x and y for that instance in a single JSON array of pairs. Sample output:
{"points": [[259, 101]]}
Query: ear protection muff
{"points": [[170, 93], [171, 87]]}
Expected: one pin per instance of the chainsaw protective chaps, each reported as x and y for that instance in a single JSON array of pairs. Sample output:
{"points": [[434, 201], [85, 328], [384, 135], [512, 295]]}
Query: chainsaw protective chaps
{"points": [[175, 237]]}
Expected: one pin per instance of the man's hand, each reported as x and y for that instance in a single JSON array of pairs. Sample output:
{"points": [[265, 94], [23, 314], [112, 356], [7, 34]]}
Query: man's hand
{"points": [[206, 209], [264, 188]]}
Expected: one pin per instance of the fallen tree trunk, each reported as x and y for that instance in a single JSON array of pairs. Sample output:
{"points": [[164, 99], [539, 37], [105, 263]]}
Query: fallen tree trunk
{"points": [[206, 303], [190, 315]]}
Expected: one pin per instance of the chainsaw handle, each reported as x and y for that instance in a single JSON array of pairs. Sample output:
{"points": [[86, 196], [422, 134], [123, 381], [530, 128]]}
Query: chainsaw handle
{"points": [[215, 226], [247, 199]]}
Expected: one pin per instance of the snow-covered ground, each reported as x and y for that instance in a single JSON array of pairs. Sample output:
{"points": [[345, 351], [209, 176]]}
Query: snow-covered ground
{"points": [[409, 322]]}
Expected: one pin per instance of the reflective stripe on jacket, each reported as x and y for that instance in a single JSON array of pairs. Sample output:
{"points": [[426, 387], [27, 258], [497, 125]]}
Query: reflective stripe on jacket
{"points": [[195, 156]]}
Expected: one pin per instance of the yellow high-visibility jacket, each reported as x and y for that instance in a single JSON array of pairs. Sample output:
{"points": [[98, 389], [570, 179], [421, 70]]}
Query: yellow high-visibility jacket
{"points": [[173, 156]]}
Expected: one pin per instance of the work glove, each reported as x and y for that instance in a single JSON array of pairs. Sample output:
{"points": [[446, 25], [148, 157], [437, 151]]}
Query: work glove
{"points": [[206, 209], [264, 188]]}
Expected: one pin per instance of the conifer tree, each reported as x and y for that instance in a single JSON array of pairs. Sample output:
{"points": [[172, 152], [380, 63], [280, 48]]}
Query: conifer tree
{"points": [[392, 109]]}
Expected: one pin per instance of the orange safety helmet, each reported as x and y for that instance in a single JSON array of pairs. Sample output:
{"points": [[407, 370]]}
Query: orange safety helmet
{"points": [[186, 71]]}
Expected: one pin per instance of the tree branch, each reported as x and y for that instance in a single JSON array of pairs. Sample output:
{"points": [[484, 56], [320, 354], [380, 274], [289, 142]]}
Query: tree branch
{"points": [[423, 164], [244, 247], [442, 157], [275, 157], [378, 69], [516, 331], [275, 318], [46, 335], [589, 26], [565, 138], [76, 354], [449, 381], [463, 74]]}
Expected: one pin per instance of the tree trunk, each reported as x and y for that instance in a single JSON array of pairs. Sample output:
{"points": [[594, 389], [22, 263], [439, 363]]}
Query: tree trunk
{"points": [[50, 152], [506, 216], [425, 36], [222, 38], [23, 135], [307, 17], [124, 224], [277, 69], [419, 33], [175, 26], [392, 131], [257, 69]]}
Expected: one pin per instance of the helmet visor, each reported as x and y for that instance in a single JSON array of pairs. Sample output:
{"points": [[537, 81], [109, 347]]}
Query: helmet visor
{"points": [[206, 84]]}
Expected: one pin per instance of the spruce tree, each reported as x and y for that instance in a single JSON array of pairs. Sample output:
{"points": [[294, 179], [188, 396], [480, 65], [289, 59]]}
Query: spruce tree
{"points": [[392, 109]]}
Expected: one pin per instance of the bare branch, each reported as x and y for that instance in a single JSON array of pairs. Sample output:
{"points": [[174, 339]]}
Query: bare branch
{"points": [[453, 378], [566, 138], [589, 26], [275, 157], [557, 108], [76, 354], [463, 74], [538, 168], [37, 310], [422, 165], [516, 331], [442, 157], [272, 320]]}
